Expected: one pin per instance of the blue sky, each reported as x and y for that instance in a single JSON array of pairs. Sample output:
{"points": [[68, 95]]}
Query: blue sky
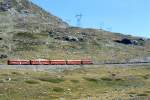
{"points": [[124, 16]]}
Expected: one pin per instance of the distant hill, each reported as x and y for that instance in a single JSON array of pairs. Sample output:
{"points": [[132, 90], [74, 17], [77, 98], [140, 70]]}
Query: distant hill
{"points": [[29, 32]]}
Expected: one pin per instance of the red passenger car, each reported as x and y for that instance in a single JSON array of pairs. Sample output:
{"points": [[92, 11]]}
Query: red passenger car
{"points": [[40, 62], [74, 62], [50, 62], [18, 62], [87, 62], [58, 62]]}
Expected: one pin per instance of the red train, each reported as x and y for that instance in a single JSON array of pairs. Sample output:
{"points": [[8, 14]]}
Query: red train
{"points": [[50, 62]]}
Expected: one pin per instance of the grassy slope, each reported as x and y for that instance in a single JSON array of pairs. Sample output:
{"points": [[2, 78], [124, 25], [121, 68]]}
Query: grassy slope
{"points": [[98, 46], [105, 82]]}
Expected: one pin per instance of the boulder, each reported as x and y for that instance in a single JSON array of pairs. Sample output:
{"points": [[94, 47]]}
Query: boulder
{"points": [[6, 5], [71, 38], [131, 41], [124, 41], [2, 56]]}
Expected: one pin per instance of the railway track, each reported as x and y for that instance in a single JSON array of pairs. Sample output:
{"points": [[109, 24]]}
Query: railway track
{"points": [[122, 63], [60, 68]]}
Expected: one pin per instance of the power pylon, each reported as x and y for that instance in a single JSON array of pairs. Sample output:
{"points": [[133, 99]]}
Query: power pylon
{"points": [[78, 18]]}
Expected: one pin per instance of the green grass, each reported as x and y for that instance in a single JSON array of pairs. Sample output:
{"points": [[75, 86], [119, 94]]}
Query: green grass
{"points": [[147, 91], [113, 83], [147, 76], [26, 35], [75, 81], [16, 73], [105, 82], [58, 89], [91, 80], [142, 94], [99, 47], [52, 79], [32, 81]]}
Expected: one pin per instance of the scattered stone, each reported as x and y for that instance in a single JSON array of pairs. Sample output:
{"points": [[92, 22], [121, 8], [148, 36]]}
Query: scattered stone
{"points": [[8, 79], [69, 89]]}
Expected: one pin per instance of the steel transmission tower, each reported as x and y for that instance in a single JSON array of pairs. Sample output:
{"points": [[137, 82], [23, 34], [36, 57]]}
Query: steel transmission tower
{"points": [[78, 17]]}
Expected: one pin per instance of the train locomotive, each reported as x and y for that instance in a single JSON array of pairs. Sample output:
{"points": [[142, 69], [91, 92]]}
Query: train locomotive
{"points": [[50, 62]]}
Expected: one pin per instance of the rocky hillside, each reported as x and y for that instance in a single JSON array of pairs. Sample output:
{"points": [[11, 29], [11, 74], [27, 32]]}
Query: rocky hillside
{"points": [[24, 16], [28, 32]]}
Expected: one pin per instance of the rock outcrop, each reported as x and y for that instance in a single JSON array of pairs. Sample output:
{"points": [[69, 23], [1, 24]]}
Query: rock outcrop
{"points": [[127, 41]]}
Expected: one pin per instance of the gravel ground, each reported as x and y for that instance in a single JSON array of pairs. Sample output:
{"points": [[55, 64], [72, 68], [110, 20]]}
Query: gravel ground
{"points": [[60, 68], [49, 68]]}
